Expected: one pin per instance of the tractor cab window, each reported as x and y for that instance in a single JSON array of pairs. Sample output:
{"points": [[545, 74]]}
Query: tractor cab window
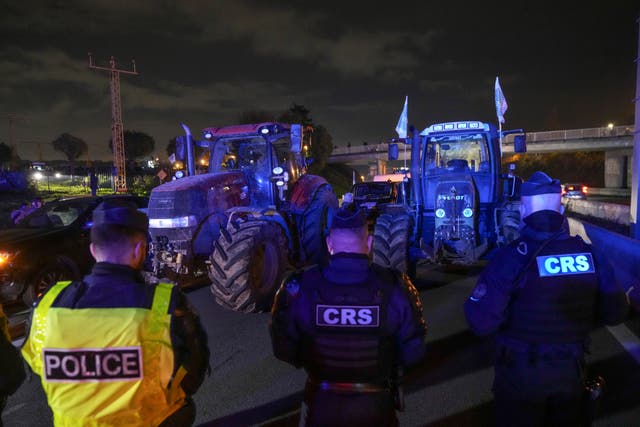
{"points": [[456, 152], [235, 154]]}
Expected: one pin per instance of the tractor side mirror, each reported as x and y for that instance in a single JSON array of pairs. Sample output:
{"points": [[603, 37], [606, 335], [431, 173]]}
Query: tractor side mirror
{"points": [[393, 152], [296, 138], [520, 143]]}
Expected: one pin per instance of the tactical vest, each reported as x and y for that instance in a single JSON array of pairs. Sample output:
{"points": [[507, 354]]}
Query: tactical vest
{"points": [[105, 366], [349, 341], [555, 302]]}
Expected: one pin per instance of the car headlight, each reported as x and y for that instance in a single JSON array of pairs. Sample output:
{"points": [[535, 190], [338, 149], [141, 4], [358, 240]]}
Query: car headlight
{"points": [[5, 258]]}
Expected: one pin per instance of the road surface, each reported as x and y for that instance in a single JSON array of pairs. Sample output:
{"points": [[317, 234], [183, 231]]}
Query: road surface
{"points": [[248, 386]]}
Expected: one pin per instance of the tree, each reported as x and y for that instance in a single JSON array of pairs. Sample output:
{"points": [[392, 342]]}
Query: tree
{"points": [[321, 148], [296, 114], [171, 146], [136, 144], [72, 147], [5, 154]]}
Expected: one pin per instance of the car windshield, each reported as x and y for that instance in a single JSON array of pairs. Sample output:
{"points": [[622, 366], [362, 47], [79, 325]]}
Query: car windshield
{"points": [[55, 214], [468, 152]]}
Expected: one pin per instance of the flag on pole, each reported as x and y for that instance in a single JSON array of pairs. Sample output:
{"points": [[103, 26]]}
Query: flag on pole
{"points": [[401, 127], [501, 102]]}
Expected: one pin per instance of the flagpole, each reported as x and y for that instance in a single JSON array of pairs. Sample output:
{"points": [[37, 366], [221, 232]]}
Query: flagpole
{"points": [[500, 135], [405, 156]]}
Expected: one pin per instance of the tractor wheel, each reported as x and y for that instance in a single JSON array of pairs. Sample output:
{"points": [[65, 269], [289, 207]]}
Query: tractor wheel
{"points": [[391, 237], [314, 225], [248, 262], [47, 276]]}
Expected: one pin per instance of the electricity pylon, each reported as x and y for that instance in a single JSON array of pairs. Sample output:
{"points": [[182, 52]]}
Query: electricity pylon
{"points": [[117, 134]]}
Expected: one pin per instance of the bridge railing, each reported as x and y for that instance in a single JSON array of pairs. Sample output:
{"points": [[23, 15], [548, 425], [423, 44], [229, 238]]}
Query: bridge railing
{"points": [[561, 135], [532, 137]]}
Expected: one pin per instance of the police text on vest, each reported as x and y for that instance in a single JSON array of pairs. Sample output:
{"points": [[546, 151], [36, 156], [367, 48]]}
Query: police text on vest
{"points": [[348, 316], [564, 264], [92, 364]]}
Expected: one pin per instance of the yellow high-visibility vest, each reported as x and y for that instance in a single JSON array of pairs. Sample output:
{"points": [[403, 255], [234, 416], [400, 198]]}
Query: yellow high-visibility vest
{"points": [[105, 366]]}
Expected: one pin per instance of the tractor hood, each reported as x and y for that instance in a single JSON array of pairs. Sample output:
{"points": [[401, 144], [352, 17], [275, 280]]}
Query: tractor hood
{"points": [[195, 197]]}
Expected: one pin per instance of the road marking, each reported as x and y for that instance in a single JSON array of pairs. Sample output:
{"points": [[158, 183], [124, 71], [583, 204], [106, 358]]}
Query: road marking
{"points": [[627, 339]]}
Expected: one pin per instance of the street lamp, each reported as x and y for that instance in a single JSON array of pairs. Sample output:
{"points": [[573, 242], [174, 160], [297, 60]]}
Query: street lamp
{"points": [[610, 126]]}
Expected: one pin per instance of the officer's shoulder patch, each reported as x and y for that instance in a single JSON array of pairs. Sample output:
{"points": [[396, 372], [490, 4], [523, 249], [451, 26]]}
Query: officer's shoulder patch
{"points": [[292, 283]]}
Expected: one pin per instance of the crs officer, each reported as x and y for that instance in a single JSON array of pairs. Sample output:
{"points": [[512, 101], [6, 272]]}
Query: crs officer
{"points": [[542, 294], [350, 325], [110, 349]]}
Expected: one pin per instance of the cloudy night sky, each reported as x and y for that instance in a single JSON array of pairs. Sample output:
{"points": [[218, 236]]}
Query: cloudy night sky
{"points": [[350, 63]]}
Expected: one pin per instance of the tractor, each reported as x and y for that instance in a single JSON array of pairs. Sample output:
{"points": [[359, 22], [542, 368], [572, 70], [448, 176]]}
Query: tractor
{"points": [[240, 225], [462, 204]]}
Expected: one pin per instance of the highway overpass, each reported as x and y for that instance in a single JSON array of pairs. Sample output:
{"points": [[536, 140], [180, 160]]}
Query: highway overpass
{"points": [[615, 141]]}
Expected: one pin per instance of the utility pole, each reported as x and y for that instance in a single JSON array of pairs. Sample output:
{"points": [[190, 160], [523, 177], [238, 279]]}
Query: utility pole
{"points": [[117, 133], [634, 210], [11, 119]]}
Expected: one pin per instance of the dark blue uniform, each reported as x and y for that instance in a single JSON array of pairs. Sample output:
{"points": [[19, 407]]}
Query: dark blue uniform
{"points": [[542, 301], [350, 325]]}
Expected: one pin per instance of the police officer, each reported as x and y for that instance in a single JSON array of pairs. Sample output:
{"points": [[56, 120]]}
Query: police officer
{"points": [[110, 349], [11, 366], [350, 324], [543, 294]]}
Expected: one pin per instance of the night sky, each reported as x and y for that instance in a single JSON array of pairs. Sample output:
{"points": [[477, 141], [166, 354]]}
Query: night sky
{"points": [[350, 63]]}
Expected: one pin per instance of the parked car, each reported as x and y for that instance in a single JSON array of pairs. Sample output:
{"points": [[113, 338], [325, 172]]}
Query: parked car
{"points": [[575, 191], [48, 245]]}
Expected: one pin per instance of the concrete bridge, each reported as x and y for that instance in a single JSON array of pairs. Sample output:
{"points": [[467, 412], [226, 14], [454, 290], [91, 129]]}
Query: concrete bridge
{"points": [[615, 141]]}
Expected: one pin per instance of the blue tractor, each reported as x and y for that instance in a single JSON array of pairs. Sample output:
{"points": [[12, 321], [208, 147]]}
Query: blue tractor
{"points": [[462, 203]]}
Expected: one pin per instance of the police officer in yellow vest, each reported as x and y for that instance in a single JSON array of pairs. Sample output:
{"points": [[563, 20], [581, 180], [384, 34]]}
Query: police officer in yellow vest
{"points": [[111, 350]]}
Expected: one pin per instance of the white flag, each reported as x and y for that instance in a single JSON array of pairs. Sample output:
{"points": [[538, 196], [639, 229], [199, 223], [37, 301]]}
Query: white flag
{"points": [[501, 102], [401, 127]]}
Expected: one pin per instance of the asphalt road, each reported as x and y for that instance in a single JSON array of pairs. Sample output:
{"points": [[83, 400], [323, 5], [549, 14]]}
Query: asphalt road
{"points": [[248, 386]]}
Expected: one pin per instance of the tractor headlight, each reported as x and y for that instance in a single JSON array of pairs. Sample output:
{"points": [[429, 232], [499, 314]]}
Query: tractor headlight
{"points": [[467, 212], [440, 213], [179, 222]]}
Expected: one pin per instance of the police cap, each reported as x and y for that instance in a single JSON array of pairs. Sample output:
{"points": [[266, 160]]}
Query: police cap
{"points": [[120, 212], [540, 183], [348, 218]]}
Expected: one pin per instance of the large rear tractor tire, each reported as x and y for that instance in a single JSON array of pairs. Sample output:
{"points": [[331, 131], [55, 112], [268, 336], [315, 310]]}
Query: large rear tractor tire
{"points": [[247, 264], [314, 226], [391, 237]]}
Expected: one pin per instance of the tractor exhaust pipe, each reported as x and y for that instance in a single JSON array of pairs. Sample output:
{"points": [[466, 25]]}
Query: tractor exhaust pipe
{"points": [[191, 167]]}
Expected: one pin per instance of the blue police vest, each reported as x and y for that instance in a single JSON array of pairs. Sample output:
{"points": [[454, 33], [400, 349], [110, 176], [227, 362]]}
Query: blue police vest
{"points": [[556, 302], [348, 341]]}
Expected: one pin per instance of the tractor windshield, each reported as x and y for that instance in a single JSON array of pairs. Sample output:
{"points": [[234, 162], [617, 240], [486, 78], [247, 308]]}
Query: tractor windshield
{"points": [[238, 154], [452, 152]]}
